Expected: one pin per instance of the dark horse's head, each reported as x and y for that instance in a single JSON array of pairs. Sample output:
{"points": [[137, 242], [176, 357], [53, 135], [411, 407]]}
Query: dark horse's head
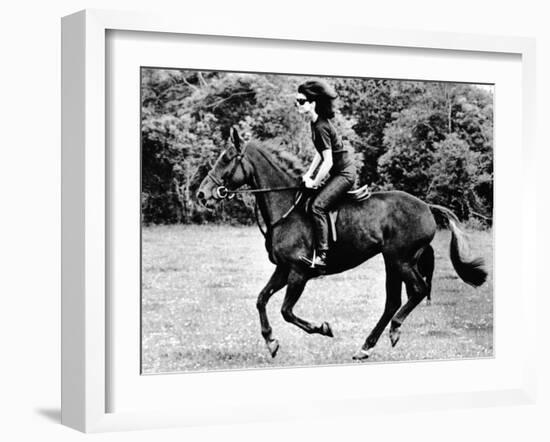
{"points": [[230, 171]]}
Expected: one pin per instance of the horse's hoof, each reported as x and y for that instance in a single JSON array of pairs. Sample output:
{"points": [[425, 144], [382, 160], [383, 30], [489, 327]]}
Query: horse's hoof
{"points": [[326, 330], [362, 354], [273, 347], [395, 334]]}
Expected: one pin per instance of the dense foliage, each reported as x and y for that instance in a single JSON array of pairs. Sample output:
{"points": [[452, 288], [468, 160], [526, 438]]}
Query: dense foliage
{"points": [[433, 140]]}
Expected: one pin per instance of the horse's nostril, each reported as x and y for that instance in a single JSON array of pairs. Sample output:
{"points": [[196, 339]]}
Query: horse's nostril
{"points": [[200, 195]]}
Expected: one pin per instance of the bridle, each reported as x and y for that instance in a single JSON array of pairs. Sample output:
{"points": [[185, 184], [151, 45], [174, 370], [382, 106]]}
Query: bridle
{"points": [[223, 192]]}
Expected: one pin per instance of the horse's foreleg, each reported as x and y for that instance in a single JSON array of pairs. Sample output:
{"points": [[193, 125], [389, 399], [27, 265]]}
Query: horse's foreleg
{"points": [[416, 291], [277, 281], [393, 302], [296, 284]]}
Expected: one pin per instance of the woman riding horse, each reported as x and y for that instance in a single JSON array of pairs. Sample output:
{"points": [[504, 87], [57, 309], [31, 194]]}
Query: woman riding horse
{"points": [[395, 224], [315, 101]]}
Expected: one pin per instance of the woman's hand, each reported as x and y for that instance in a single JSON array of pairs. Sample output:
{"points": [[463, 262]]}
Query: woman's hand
{"points": [[308, 182]]}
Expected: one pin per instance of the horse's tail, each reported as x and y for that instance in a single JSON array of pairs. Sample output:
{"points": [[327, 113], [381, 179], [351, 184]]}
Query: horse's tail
{"points": [[471, 271]]}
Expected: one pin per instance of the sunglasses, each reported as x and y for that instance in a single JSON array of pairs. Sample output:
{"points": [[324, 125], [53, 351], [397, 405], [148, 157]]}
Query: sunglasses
{"points": [[301, 101]]}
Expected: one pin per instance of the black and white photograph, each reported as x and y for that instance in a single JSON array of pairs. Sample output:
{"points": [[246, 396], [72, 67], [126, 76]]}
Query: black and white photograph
{"points": [[298, 221]]}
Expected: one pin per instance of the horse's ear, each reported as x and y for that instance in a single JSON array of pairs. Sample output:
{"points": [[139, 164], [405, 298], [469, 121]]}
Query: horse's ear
{"points": [[236, 139]]}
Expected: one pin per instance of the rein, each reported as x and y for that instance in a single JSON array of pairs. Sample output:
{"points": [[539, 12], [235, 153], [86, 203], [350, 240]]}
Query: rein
{"points": [[223, 193], [261, 190], [280, 220]]}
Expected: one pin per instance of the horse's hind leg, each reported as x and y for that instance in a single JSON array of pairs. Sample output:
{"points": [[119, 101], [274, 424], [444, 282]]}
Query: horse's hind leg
{"points": [[416, 291], [277, 281], [296, 284], [426, 265], [393, 302]]}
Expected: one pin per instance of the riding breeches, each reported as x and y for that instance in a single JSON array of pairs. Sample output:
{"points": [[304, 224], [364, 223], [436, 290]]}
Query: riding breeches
{"points": [[330, 194]]}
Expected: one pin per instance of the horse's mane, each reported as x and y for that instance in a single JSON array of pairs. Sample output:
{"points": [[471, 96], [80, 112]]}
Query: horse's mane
{"points": [[280, 157]]}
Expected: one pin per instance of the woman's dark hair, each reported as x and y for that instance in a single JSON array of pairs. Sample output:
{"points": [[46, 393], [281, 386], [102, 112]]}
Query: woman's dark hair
{"points": [[322, 94]]}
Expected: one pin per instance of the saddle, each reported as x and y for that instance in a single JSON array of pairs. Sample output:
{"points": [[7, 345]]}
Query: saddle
{"points": [[355, 195]]}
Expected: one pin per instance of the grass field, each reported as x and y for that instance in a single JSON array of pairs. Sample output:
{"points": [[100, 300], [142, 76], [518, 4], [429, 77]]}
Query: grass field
{"points": [[199, 289]]}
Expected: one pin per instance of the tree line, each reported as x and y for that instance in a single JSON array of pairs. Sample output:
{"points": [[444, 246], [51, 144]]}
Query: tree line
{"points": [[431, 139]]}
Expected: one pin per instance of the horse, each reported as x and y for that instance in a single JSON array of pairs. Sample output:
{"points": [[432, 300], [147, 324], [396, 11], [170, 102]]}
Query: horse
{"points": [[392, 223]]}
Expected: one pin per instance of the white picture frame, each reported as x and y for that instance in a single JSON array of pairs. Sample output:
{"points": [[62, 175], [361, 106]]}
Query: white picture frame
{"points": [[85, 202]]}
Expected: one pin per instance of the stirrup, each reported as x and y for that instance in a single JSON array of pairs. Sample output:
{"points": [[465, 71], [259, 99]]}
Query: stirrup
{"points": [[311, 262]]}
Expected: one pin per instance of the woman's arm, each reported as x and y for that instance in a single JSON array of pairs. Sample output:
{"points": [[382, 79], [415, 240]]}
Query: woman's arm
{"points": [[314, 163], [326, 165]]}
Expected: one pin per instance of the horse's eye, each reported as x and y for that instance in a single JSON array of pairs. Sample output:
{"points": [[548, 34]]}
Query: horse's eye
{"points": [[229, 154]]}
